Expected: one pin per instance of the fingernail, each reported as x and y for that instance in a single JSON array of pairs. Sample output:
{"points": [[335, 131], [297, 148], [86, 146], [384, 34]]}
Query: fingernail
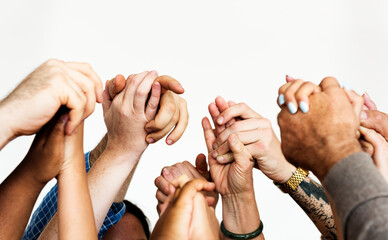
{"points": [[149, 130], [220, 120], [153, 72], [150, 140], [220, 158], [363, 115], [367, 96], [214, 154], [292, 108], [215, 145], [346, 86], [304, 106], [169, 141], [281, 99]]}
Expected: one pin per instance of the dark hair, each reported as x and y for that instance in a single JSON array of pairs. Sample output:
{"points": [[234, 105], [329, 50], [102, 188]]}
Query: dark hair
{"points": [[135, 210]]}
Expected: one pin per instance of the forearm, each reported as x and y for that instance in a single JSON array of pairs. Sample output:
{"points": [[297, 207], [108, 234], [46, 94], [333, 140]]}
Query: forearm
{"points": [[311, 197], [106, 178], [75, 212], [240, 214], [98, 150], [18, 194]]}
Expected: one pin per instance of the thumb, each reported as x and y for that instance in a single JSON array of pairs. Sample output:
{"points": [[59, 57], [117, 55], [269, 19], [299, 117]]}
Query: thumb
{"points": [[116, 85], [169, 83], [240, 153], [201, 166], [375, 120]]}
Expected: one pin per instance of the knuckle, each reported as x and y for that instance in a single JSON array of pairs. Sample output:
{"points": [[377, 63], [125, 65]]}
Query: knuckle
{"points": [[243, 105], [53, 62], [266, 122], [235, 126], [289, 96]]}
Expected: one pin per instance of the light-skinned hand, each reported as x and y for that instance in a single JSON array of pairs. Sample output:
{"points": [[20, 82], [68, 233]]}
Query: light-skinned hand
{"points": [[39, 96]]}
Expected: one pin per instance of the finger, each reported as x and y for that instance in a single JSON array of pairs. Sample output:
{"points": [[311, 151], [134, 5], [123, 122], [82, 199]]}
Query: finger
{"points": [[248, 125], [356, 100], [87, 70], [240, 110], [160, 196], [367, 147], [162, 184], [153, 102], [107, 100], [303, 93], [201, 166], [222, 105], [156, 136], [289, 78], [289, 95], [168, 108], [375, 120], [87, 86], [190, 189], [169, 83], [208, 133], [281, 91], [214, 113], [190, 169], [177, 170], [225, 158], [241, 154], [143, 90], [180, 127], [329, 82], [117, 84], [230, 123], [76, 102], [57, 133], [368, 102], [372, 137], [180, 181], [164, 206], [132, 85]]}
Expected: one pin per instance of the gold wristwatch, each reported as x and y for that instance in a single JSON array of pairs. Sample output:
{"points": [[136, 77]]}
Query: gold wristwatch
{"points": [[293, 183]]}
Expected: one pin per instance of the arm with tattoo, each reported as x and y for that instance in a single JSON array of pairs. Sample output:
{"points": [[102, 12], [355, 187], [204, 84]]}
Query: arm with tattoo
{"points": [[311, 197]]}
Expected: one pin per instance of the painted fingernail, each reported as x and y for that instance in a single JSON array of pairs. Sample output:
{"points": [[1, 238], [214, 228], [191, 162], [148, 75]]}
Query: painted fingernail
{"points": [[169, 141], [281, 99], [220, 158], [220, 120], [363, 115], [150, 140], [214, 154], [346, 86], [304, 106], [292, 108], [215, 145]]}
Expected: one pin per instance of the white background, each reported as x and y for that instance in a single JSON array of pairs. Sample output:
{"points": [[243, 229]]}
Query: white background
{"points": [[237, 49]]}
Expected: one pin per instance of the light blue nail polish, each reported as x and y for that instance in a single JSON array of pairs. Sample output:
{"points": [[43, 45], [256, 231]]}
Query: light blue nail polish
{"points": [[292, 108], [346, 86], [304, 107], [281, 99]]}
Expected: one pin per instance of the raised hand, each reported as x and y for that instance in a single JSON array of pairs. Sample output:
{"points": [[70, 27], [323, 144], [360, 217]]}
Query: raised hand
{"points": [[39, 96], [126, 116], [170, 173], [171, 112], [256, 133], [188, 215]]}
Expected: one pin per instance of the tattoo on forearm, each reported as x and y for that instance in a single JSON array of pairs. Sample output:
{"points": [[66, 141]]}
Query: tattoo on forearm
{"points": [[311, 197]]}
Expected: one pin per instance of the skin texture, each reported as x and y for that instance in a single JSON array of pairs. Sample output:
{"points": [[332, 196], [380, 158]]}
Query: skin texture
{"points": [[188, 215], [270, 160], [53, 84], [234, 181], [331, 122], [125, 117], [43, 162], [170, 173], [75, 212]]}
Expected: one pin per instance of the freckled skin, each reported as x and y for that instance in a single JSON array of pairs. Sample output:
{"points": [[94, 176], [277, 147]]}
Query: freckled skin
{"points": [[128, 228]]}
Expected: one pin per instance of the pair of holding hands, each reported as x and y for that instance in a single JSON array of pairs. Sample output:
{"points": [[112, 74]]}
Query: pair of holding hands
{"points": [[335, 117]]}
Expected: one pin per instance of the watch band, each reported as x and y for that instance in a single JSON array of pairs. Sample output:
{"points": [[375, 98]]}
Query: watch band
{"points": [[293, 183]]}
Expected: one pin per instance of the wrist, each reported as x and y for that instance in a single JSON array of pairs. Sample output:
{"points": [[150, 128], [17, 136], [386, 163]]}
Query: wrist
{"points": [[240, 212], [333, 155], [285, 173], [7, 133], [118, 156]]}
